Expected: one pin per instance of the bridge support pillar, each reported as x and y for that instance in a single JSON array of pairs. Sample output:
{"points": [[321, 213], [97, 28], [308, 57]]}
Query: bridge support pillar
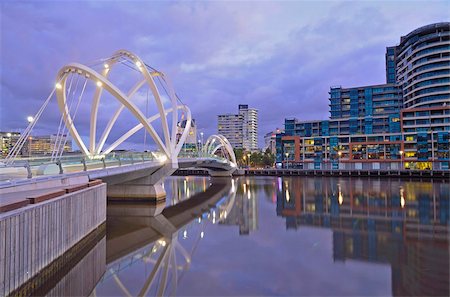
{"points": [[145, 188]]}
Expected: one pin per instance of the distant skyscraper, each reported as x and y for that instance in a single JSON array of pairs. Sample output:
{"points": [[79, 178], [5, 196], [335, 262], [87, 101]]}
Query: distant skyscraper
{"points": [[249, 127], [240, 129]]}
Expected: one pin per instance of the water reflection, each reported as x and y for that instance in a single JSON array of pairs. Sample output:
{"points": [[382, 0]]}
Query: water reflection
{"points": [[404, 224], [279, 236], [147, 238]]}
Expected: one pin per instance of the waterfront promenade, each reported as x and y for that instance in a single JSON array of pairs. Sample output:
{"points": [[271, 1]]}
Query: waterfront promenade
{"points": [[438, 174]]}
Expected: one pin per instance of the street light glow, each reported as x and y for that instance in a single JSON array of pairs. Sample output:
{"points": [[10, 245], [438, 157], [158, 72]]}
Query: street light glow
{"points": [[99, 84], [30, 119], [58, 86]]}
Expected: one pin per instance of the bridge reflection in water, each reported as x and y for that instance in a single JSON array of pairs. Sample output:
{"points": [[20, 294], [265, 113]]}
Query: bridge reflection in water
{"points": [[404, 224], [136, 238]]}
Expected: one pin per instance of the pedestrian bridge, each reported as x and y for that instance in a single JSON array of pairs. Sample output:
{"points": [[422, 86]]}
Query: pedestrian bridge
{"points": [[128, 175]]}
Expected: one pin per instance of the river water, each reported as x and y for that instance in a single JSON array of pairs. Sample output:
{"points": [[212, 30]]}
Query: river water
{"points": [[280, 236]]}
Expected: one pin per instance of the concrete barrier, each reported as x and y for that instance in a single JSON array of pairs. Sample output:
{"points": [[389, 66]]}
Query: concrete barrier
{"points": [[35, 235]]}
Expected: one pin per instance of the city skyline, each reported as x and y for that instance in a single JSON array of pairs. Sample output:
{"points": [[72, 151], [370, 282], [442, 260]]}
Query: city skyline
{"points": [[251, 61]]}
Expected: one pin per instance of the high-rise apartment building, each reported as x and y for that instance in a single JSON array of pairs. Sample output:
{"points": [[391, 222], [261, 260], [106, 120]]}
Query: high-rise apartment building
{"points": [[230, 126], [402, 124], [249, 127], [240, 129]]}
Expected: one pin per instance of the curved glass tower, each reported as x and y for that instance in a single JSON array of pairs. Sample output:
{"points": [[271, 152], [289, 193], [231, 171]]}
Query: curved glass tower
{"points": [[423, 66]]}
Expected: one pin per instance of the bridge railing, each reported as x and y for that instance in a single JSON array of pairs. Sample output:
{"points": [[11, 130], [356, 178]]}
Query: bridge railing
{"points": [[29, 167]]}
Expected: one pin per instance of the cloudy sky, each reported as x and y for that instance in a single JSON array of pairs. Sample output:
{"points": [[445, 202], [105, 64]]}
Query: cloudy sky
{"points": [[279, 57]]}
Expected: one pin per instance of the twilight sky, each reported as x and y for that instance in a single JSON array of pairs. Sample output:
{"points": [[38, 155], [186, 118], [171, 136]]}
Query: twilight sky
{"points": [[279, 57]]}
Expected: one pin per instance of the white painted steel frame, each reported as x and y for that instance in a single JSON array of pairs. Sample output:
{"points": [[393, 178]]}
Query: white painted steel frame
{"points": [[169, 147], [209, 147]]}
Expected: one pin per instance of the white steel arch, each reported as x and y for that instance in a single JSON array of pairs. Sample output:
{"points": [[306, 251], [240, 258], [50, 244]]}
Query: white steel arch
{"points": [[216, 141], [168, 146]]}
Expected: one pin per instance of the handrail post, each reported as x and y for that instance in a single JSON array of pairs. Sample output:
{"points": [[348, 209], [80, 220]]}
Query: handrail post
{"points": [[60, 166], [143, 159], [83, 161], [29, 173], [104, 163], [120, 161]]}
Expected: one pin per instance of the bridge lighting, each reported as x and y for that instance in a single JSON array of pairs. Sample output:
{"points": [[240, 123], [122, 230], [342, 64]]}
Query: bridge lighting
{"points": [[8, 134], [162, 158], [30, 119], [106, 65], [185, 234], [138, 64], [58, 86], [99, 84], [202, 234]]}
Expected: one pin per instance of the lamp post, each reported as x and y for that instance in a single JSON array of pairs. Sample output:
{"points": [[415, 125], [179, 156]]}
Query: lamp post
{"points": [[287, 160], [401, 160], [248, 159], [199, 147], [30, 119], [432, 149], [201, 137], [339, 159], [245, 160]]}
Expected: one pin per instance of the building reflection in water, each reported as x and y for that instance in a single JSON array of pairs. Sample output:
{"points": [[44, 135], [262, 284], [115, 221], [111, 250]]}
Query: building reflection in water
{"points": [[401, 223], [244, 212]]}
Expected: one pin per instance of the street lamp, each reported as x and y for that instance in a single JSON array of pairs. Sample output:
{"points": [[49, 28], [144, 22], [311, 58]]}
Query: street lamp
{"points": [[199, 147], [339, 159], [287, 160], [30, 119], [401, 159], [201, 136], [248, 159]]}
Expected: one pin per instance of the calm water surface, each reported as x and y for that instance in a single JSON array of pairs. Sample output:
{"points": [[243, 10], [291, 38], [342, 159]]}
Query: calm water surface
{"points": [[282, 236]]}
